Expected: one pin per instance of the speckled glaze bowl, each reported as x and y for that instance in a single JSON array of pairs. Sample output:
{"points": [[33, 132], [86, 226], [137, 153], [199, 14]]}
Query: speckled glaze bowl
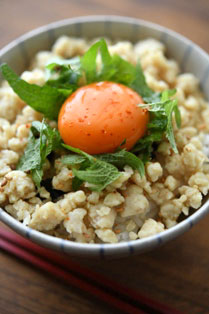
{"points": [[191, 59]]}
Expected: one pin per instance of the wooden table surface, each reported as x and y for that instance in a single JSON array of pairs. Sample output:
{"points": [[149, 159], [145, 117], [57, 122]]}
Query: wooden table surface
{"points": [[176, 274]]}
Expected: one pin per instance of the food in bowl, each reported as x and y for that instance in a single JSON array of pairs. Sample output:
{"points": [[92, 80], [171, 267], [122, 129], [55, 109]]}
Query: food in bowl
{"points": [[125, 160]]}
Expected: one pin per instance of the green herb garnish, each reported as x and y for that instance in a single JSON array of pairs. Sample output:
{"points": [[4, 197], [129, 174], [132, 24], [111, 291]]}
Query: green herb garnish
{"points": [[41, 142], [122, 158], [64, 75], [101, 170], [97, 172], [44, 99], [160, 124]]}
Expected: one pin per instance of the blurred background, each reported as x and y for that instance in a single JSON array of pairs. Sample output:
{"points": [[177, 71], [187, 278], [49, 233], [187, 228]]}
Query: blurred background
{"points": [[189, 17], [175, 274]]}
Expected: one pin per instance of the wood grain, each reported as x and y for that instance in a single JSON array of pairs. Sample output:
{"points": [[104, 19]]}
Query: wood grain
{"points": [[175, 274]]}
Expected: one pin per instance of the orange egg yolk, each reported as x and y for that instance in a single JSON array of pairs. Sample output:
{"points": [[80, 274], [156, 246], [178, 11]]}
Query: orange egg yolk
{"points": [[98, 117]]}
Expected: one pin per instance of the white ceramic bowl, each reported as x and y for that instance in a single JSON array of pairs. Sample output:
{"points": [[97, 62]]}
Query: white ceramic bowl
{"points": [[191, 59]]}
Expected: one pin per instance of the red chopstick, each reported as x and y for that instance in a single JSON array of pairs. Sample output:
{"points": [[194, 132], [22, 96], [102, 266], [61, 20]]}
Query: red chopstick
{"points": [[138, 300], [67, 277]]}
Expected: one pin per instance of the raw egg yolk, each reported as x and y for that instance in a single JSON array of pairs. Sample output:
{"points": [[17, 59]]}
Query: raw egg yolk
{"points": [[98, 117]]}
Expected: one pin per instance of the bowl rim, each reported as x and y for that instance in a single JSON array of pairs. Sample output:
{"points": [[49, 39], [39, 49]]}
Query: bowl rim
{"points": [[99, 18], [115, 248]]}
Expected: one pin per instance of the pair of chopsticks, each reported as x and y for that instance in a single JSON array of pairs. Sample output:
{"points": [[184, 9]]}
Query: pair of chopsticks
{"points": [[124, 299]]}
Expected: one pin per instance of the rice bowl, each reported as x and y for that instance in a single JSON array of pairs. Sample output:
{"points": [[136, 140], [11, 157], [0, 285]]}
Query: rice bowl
{"points": [[170, 193]]}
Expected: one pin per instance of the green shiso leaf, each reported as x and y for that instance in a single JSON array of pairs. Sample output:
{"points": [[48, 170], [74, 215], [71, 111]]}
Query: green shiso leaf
{"points": [[45, 99], [41, 142], [161, 115], [122, 158], [97, 173]]}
